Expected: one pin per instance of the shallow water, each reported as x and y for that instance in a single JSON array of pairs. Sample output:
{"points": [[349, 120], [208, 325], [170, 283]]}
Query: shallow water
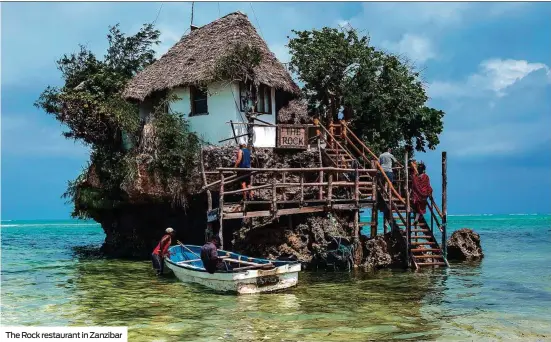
{"points": [[506, 296]]}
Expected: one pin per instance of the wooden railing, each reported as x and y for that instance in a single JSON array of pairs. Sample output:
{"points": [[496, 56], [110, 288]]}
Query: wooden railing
{"points": [[436, 215], [275, 184], [357, 141]]}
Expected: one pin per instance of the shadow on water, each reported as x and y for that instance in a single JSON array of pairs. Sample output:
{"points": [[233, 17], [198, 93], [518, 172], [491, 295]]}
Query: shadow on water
{"points": [[339, 306]]}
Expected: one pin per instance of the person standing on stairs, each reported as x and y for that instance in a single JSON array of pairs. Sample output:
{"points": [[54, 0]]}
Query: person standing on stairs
{"points": [[386, 159], [420, 190], [243, 161]]}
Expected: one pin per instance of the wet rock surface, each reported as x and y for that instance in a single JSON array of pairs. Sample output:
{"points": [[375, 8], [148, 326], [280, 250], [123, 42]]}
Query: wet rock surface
{"points": [[464, 244], [383, 251]]}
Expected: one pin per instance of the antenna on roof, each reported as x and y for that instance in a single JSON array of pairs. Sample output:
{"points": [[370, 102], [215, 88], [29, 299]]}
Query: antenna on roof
{"points": [[192, 3]]}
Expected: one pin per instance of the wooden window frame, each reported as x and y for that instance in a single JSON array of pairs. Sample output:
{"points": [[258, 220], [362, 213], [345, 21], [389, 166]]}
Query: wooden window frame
{"points": [[192, 93], [261, 89]]}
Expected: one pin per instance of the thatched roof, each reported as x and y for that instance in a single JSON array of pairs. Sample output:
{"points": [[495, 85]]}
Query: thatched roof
{"points": [[295, 112], [192, 60]]}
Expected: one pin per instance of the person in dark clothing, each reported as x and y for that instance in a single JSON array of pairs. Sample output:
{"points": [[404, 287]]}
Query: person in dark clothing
{"points": [[209, 256], [243, 161], [161, 251]]}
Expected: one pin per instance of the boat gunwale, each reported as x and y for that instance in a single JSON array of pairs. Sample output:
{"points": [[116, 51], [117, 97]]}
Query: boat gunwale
{"points": [[194, 269]]}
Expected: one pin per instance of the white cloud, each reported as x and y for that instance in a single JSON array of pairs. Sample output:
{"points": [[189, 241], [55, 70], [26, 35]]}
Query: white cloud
{"points": [[493, 78], [415, 47], [499, 74]]}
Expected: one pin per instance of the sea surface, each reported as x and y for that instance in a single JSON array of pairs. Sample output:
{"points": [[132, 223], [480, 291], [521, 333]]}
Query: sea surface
{"points": [[47, 280]]}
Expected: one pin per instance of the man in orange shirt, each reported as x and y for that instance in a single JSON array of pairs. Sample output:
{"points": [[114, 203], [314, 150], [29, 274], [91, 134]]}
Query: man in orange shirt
{"points": [[161, 251]]}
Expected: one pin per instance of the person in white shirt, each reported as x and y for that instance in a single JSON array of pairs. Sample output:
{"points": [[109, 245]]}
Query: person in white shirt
{"points": [[386, 159]]}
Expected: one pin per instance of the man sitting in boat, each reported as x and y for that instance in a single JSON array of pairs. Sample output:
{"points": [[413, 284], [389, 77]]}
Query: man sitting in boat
{"points": [[209, 256], [161, 251]]}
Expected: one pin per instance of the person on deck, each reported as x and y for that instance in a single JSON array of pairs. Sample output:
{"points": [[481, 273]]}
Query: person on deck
{"points": [[316, 121], [161, 251], [209, 256], [243, 161], [386, 159], [421, 190]]}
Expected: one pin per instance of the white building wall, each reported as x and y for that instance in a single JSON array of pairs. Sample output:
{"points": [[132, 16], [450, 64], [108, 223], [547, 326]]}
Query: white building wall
{"points": [[263, 136], [223, 106]]}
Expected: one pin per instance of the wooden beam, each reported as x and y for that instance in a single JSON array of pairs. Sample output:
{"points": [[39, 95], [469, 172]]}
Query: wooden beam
{"points": [[248, 189], [329, 188], [301, 189], [274, 196], [298, 169]]}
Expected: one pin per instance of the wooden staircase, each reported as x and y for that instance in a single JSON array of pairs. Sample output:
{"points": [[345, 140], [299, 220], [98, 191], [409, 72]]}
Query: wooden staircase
{"points": [[344, 149]]}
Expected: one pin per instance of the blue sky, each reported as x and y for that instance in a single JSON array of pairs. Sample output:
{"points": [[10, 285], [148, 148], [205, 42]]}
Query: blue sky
{"points": [[487, 65]]}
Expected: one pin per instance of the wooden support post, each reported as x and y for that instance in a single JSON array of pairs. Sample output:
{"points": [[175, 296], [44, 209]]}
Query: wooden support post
{"points": [[321, 187], [284, 180], [330, 189], [432, 218], [209, 195], [357, 225], [444, 203], [357, 186], [374, 220], [274, 195], [301, 188], [408, 212], [320, 197], [221, 211], [375, 209]]}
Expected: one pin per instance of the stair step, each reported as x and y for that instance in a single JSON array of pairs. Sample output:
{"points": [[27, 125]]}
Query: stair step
{"points": [[415, 250], [431, 264], [429, 256], [420, 230], [421, 237], [422, 243], [424, 230]]}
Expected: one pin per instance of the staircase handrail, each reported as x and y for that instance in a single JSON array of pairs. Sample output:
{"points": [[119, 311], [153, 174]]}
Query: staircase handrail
{"points": [[335, 140], [376, 163]]}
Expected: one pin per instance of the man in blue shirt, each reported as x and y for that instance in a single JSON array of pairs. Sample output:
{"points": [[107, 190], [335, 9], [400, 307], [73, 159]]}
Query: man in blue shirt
{"points": [[243, 161]]}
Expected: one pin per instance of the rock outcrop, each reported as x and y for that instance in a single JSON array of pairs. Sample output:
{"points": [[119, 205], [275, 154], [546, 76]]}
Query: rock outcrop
{"points": [[464, 244], [383, 251]]}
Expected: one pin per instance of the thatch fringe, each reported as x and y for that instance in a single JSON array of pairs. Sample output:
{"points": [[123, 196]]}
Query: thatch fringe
{"points": [[295, 112]]}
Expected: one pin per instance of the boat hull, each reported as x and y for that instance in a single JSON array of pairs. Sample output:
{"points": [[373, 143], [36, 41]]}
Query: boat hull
{"points": [[188, 269], [246, 282]]}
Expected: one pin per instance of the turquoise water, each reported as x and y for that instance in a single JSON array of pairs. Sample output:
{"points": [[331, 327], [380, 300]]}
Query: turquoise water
{"points": [[506, 296]]}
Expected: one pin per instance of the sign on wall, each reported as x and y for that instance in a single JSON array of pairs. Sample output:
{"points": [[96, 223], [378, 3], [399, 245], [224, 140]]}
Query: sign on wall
{"points": [[292, 136], [213, 215]]}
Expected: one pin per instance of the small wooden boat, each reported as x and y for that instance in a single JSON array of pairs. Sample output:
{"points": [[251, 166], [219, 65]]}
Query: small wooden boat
{"points": [[244, 275]]}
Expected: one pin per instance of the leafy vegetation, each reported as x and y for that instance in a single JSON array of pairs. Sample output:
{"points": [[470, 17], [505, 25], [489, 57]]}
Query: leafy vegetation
{"points": [[383, 93], [238, 64], [92, 108]]}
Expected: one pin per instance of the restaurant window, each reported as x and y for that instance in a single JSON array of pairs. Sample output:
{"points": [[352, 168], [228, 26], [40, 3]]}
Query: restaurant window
{"points": [[199, 105], [249, 95]]}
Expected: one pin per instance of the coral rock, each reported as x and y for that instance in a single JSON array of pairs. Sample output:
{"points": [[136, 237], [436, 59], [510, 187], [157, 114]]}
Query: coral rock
{"points": [[464, 244]]}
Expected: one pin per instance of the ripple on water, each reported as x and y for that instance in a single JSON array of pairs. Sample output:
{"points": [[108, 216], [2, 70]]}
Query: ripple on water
{"points": [[492, 299]]}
